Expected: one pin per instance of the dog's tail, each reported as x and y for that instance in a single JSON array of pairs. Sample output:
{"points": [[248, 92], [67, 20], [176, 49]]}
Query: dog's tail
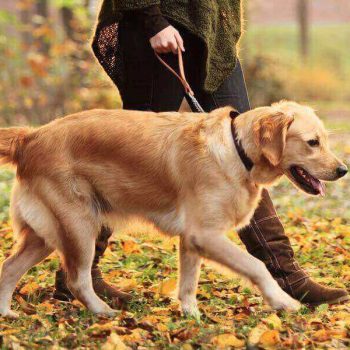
{"points": [[11, 144]]}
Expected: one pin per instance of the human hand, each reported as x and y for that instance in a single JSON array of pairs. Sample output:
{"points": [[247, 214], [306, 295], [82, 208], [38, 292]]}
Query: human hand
{"points": [[167, 40]]}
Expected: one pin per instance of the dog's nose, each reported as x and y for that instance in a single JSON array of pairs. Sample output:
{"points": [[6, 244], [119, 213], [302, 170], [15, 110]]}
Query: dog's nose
{"points": [[342, 170]]}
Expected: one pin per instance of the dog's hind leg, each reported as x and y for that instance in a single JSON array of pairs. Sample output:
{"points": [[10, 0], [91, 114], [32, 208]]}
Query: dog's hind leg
{"points": [[78, 233], [189, 265], [76, 225], [31, 249], [78, 262]]}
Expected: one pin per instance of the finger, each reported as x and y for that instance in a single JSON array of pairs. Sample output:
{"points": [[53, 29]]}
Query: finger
{"points": [[180, 41], [173, 46], [164, 45], [158, 49], [155, 44]]}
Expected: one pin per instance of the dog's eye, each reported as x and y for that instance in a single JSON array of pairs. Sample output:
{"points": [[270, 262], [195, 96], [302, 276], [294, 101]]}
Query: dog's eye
{"points": [[313, 143]]}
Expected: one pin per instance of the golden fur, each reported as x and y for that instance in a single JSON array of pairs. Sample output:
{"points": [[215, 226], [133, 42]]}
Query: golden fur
{"points": [[180, 171]]}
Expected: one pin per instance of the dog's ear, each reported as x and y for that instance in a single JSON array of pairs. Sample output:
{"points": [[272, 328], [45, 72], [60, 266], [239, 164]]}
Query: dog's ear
{"points": [[270, 133]]}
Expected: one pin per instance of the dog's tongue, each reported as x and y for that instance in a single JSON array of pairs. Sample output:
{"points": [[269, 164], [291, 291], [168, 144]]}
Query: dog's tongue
{"points": [[318, 185]]}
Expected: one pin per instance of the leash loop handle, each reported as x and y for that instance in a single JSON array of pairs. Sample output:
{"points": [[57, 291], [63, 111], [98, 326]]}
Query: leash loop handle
{"points": [[181, 76]]}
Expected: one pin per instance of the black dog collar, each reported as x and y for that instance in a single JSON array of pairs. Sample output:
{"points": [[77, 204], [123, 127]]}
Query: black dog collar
{"points": [[248, 163]]}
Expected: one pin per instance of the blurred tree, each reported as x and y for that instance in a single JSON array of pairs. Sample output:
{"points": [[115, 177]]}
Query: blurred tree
{"points": [[303, 19], [25, 13], [42, 10], [67, 20]]}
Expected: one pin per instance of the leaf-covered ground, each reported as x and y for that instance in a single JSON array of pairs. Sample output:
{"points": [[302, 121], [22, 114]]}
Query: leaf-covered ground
{"points": [[144, 263]]}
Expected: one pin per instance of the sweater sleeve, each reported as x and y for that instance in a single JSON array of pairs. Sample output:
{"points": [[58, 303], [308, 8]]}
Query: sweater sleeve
{"points": [[153, 19]]}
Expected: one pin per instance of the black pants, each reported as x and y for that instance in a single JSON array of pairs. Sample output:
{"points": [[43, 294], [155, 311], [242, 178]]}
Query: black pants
{"points": [[150, 86]]}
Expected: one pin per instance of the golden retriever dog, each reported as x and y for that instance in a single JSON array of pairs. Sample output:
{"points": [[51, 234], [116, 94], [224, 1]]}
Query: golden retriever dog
{"points": [[181, 171]]}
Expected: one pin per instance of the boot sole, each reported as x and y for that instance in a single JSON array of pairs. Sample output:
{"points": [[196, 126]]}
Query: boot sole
{"points": [[339, 300]]}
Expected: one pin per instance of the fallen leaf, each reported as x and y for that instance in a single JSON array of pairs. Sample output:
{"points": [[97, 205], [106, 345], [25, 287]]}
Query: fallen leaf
{"points": [[47, 307], [269, 338], [167, 287], [9, 331], [187, 347], [114, 342], [223, 341], [137, 335], [127, 284], [130, 246], [256, 333], [161, 327], [321, 335], [43, 276], [26, 307], [184, 334], [274, 321], [160, 310], [104, 326], [29, 288]]}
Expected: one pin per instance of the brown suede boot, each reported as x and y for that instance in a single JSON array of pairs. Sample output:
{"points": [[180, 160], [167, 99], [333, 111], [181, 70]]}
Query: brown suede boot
{"points": [[102, 288], [265, 239]]}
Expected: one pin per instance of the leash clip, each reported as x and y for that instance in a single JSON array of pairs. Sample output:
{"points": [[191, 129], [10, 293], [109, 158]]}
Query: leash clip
{"points": [[189, 95]]}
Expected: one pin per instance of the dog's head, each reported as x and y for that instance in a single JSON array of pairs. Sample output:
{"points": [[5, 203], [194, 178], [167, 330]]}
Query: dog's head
{"points": [[292, 140]]}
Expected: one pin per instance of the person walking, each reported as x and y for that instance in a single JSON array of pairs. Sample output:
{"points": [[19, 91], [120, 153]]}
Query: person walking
{"points": [[127, 34]]}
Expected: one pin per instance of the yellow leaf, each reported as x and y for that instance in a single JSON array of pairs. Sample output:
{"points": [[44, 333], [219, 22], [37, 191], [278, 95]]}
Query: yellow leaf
{"points": [[223, 341], [274, 321], [321, 335], [9, 331], [167, 287], [336, 221], [43, 276], [211, 276], [46, 307], [160, 310], [136, 336], [256, 333], [150, 319], [77, 303], [130, 247], [127, 284], [269, 338], [162, 327], [114, 273], [241, 316], [187, 347], [114, 342], [29, 288], [97, 327], [204, 294]]}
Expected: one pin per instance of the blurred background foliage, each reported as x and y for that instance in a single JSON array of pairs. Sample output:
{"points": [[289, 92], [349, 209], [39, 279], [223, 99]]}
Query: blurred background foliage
{"points": [[295, 49]]}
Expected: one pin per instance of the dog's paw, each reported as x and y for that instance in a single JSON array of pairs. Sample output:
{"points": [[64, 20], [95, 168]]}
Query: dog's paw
{"points": [[286, 303], [191, 310], [109, 312], [9, 314]]}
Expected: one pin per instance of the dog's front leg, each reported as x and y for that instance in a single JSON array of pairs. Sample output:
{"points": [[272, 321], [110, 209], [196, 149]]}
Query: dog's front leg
{"points": [[217, 247], [190, 263]]}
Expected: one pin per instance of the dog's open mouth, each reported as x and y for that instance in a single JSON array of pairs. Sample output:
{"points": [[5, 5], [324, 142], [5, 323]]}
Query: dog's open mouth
{"points": [[307, 182]]}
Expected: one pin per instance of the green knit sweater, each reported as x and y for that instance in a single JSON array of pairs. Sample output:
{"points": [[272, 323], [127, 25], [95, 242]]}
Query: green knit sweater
{"points": [[217, 23]]}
